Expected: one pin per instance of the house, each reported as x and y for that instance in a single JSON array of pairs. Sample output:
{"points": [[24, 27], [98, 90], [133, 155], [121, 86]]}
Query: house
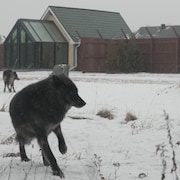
{"points": [[76, 24], [57, 36], [163, 31]]}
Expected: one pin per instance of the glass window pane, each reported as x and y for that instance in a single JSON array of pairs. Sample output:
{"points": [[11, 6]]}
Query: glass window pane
{"points": [[41, 31], [14, 36], [35, 36], [23, 36], [47, 55], [55, 33]]}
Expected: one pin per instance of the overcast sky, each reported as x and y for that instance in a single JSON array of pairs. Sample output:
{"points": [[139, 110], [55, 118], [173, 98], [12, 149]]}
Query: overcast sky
{"points": [[136, 13]]}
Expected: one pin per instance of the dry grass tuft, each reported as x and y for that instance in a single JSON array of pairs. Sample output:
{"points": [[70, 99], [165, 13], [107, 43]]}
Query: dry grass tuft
{"points": [[3, 108], [11, 155], [130, 117], [105, 114], [79, 118], [8, 140]]}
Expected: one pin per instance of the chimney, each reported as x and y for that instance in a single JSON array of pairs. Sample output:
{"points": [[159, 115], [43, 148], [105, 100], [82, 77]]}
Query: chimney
{"points": [[163, 26]]}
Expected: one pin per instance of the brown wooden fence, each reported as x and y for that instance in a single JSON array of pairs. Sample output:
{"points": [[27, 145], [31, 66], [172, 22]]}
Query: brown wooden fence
{"points": [[161, 55]]}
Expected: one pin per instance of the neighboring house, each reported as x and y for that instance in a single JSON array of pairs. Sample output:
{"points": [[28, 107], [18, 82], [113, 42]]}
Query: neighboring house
{"points": [[163, 31]]}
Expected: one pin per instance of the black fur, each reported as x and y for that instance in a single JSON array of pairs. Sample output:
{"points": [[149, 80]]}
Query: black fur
{"points": [[38, 110], [9, 76]]}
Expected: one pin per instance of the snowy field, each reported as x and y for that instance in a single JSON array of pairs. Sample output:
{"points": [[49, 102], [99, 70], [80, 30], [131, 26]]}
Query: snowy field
{"points": [[99, 148]]}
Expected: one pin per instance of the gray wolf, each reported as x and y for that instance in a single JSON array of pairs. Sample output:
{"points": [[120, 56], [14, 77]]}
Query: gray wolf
{"points": [[38, 109], [9, 77]]}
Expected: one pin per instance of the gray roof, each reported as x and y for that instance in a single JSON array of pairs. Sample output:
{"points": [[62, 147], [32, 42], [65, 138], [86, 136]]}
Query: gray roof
{"points": [[162, 31], [91, 23], [40, 30]]}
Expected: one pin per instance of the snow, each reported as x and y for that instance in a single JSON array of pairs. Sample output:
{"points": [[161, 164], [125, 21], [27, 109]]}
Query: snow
{"points": [[2, 38], [99, 148]]}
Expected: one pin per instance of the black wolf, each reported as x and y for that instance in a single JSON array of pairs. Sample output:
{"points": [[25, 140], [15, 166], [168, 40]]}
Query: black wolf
{"points": [[9, 77], [38, 110]]}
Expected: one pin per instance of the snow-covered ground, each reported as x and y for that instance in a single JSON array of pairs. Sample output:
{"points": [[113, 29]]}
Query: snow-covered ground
{"points": [[99, 148]]}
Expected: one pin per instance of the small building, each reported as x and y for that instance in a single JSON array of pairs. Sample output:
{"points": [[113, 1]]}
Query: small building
{"points": [[56, 37], [34, 44]]}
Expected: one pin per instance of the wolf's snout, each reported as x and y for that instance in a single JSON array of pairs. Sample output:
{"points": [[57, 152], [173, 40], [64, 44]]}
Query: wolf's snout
{"points": [[79, 102]]}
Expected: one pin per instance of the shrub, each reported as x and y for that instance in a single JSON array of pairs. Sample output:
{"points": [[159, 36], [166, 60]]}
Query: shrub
{"points": [[125, 57]]}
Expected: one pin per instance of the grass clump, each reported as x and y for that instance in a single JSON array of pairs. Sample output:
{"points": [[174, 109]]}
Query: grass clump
{"points": [[3, 108], [130, 117], [104, 113], [8, 140]]}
